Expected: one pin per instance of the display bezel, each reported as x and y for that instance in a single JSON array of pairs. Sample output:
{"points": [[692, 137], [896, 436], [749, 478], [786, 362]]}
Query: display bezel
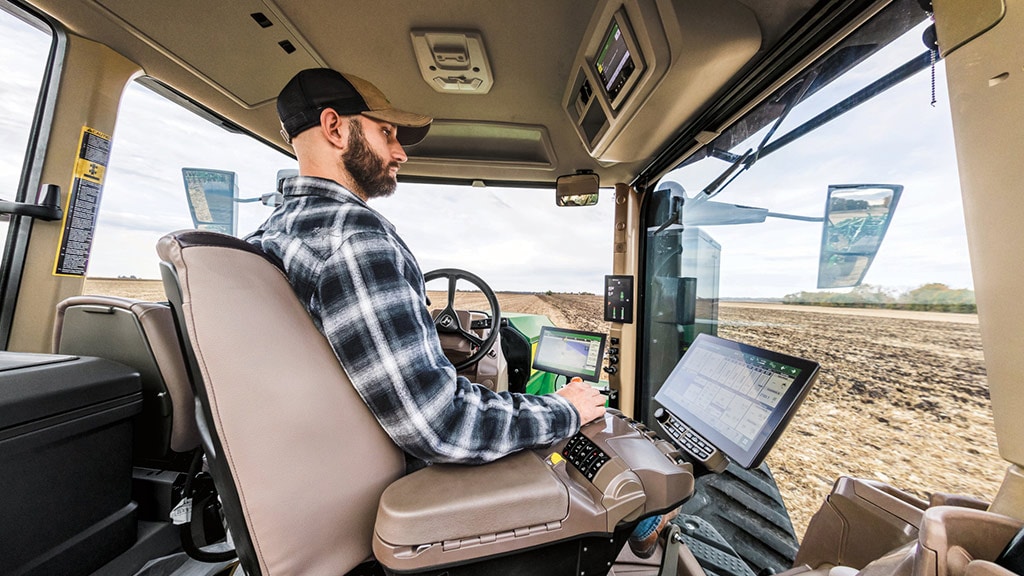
{"points": [[620, 20], [562, 370], [752, 455]]}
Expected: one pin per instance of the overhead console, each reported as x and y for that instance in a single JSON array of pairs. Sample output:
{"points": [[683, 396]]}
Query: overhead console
{"points": [[647, 66]]}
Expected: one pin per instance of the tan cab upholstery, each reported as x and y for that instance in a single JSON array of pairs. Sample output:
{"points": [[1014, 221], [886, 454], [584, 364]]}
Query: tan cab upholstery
{"points": [[140, 335], [299, 460]]}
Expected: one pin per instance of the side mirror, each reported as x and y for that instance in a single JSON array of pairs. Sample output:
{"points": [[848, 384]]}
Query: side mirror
{"points": [[212, 198], [580, 189], [856, 219]]}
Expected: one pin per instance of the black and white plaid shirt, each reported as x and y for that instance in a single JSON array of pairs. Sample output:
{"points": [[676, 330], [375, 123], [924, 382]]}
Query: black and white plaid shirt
{"points": [[365, 292]]}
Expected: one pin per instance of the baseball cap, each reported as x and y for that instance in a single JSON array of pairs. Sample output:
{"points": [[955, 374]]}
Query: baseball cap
{"points": [[310, 91]]}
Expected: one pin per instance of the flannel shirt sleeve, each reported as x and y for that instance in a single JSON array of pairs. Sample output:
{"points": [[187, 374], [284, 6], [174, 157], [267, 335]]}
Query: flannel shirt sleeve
{"points": [[373, 314]]}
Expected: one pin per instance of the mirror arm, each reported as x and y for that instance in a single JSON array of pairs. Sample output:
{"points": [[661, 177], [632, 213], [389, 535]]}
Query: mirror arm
{"points": [[796, 217]]}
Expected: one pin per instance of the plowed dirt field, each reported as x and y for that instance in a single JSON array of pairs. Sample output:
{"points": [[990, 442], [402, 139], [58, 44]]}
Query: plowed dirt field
{"points": [[901, 396]]}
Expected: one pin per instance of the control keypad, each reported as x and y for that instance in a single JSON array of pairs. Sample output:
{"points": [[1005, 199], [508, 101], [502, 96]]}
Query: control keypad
{"points": [[684, 436], [584, 455]]}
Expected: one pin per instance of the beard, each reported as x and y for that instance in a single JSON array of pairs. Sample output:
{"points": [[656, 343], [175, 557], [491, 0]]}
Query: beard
{"points": [[368, 170]]}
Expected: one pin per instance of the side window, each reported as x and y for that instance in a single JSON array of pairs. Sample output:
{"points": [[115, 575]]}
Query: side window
{"points": [[758, 264], [145, 195], [24, 51]]}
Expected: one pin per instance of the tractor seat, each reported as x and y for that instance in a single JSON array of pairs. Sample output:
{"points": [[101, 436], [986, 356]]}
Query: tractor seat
{"points": [[140, 335]]}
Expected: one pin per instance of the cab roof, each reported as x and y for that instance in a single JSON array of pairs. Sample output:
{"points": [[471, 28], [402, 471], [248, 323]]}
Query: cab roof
{"points": [[232, 57]]}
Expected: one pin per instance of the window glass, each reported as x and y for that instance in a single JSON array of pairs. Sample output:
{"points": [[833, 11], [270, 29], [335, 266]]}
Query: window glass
{"points": [[145, 194], [515, 239], [24, 50], [902, 385]]}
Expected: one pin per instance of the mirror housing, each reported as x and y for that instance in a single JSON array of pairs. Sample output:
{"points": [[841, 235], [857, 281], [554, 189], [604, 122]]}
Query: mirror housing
{"points": [[212, 198], [856, 219], [579, 189]]}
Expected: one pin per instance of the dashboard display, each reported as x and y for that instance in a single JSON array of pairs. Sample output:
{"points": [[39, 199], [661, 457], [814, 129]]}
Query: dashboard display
{"points": [[570, 353], [736, 396]]}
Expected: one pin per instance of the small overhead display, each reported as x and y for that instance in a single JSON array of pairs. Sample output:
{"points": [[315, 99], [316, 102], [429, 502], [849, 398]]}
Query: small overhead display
{"points": [[617, 60], [614, 63]]}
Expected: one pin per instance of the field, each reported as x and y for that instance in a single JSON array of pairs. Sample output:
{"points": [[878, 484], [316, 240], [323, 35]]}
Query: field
{"points": [[901, 396]]}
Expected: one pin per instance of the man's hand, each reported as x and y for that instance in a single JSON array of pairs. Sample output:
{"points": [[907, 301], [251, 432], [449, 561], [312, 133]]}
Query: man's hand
{"points": [[587, 401]]}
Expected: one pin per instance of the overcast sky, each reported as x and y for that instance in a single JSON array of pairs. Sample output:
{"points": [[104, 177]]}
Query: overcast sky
{"points": [[518, 239]]}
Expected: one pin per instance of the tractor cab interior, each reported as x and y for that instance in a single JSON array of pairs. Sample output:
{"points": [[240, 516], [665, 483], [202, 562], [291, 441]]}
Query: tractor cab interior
{"points": [[573, 506], [111, 408]]}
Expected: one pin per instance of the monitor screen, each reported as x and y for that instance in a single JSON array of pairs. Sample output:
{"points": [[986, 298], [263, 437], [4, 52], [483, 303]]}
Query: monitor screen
{"points": [[570, 353], [736, 396], [614, 62]]}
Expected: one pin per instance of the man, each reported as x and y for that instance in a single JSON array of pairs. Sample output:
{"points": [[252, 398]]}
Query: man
{"points": [[365, 291]]}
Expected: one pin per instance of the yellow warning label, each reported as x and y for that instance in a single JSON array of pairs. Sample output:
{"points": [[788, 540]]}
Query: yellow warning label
{"points": [[89, 170], [82, 204]]}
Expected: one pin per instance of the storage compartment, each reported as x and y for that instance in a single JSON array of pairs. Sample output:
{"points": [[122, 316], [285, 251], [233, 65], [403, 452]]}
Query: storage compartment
{"points": [[65, 462]]}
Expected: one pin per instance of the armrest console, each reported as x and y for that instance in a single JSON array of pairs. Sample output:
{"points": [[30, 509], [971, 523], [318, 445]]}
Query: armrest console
{"points": [[572, 505], [450, 502]]}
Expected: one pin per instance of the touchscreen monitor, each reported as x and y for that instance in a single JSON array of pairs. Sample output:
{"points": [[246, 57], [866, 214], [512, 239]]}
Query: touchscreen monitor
{"points": [[736, 396], [570, 352], [618, 62]]}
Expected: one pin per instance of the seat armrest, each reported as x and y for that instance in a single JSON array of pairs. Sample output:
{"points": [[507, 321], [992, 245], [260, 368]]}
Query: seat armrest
{"points": [[451, 502]]}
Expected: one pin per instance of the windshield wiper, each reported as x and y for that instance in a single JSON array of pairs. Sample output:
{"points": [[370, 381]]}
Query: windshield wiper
{"points": [[795, 95], [748, 159]]}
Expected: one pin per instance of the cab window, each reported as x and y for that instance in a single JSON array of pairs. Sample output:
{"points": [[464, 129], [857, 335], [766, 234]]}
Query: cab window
{"points": [[901, 348], [25, 47], [158, 148]]}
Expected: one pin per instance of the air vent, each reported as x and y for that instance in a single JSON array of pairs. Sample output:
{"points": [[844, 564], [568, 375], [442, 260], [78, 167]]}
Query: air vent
{"points": [[261, 19], [251, 64]]}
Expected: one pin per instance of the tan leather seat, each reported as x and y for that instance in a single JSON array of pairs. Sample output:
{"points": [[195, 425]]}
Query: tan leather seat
{"points": [[868, 528], [141, 335], [301, 464], [299, 460]]}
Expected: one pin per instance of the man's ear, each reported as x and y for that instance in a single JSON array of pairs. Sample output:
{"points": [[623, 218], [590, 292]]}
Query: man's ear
{"points": [[334, 128]]}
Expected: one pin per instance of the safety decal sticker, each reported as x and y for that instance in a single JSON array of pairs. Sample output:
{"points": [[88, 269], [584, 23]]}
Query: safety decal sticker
{"points": [[82, 203]]}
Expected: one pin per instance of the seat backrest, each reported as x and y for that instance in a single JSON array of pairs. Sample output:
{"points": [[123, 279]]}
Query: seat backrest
{"points": [[141, 335], [298, 458]]}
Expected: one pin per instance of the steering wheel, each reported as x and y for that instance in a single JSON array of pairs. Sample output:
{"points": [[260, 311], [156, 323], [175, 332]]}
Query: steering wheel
{"points": [[447, 321]]}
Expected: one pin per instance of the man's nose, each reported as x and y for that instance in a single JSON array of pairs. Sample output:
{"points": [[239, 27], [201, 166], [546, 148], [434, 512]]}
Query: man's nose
{"points": [[398, 153]]}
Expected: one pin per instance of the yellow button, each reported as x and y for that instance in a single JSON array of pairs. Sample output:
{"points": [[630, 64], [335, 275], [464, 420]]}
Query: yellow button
{"points": [[555, 458]]}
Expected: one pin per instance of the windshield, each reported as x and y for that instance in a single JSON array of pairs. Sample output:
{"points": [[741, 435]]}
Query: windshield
{"points": [[900, 353]]}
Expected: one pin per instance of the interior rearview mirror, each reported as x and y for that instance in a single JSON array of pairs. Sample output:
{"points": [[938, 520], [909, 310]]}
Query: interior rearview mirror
{"points": [[580, 189], [856, 219]]}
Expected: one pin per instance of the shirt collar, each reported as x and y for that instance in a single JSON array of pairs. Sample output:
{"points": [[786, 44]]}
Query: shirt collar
{"points": [[298, 186], [316, 186]]}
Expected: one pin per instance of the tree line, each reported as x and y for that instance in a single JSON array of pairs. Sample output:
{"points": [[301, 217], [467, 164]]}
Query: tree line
{"points": [[934, 297]]}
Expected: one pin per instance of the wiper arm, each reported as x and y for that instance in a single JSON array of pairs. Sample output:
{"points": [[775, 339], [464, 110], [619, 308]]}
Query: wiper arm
{"points": [[750, 156], [716, 185]]}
